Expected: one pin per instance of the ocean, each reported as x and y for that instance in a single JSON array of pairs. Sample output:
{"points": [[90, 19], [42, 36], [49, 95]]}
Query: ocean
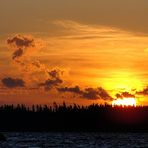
{"points": [[75, 140]]}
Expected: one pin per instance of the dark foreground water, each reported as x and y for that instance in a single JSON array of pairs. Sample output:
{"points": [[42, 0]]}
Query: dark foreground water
{"points": [[75, 140]]}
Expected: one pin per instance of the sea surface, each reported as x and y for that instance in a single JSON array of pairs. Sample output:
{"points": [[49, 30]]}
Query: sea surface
{"points": [[75, 140]]}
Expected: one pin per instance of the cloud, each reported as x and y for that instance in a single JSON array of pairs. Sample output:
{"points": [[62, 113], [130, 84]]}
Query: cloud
{"points": [[75, 89], [34, 72], [12, 82], [17, 53], [20, 41], [79, 31], [143, 92], [37, 64], [55, 74], [20, 44], [125, 95], [99, 93], [48, 84], [91, 93], [88, 93], [22, 47], [53, 80]]}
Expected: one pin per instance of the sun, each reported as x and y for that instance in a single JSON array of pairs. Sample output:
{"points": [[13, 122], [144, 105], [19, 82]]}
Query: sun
{"points": [[124, 102]]}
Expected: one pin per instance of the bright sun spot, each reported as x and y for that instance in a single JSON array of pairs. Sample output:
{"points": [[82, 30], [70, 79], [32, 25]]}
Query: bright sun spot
{"points": [[124, 102]]}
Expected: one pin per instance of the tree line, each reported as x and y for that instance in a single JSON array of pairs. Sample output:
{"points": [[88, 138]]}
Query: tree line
{"points": [[95, 117]]}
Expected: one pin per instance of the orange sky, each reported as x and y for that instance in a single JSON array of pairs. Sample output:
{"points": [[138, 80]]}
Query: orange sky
{"points": [[54, 51]]}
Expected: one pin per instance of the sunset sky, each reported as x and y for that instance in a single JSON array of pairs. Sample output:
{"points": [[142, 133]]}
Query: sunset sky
{"points": [[77, 51]]}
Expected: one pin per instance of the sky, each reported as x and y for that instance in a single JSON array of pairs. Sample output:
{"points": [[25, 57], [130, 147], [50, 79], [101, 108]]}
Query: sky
{"points": [[80, 51]]}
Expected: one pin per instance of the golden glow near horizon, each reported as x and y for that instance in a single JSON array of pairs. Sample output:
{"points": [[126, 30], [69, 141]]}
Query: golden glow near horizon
{"points": [[124, 102], [123, 79]]}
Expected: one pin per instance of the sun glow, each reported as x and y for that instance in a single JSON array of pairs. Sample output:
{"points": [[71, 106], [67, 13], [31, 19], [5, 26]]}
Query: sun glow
{"points": [[124, 102]]}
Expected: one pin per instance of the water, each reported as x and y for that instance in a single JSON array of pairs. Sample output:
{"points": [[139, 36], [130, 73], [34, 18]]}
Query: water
{"points": [[75, 140]]}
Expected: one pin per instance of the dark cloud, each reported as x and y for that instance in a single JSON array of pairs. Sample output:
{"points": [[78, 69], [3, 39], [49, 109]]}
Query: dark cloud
{"points": [[125, 95], [75, 89], [53, 81], [143, 92], [103, 94], [48, 84], [20, 41], [17, 53], [99, 93], [88, 93], [12, 82], [54, 73]]}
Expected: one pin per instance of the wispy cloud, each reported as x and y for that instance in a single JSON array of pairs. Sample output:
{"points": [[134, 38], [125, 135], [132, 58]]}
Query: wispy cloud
{"points": [[76, 30]]}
